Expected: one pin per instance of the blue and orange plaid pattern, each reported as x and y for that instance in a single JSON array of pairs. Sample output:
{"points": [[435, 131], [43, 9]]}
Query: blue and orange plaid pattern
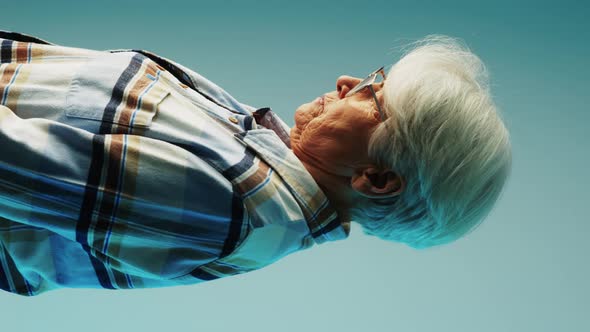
{"points": [[123, 169]]}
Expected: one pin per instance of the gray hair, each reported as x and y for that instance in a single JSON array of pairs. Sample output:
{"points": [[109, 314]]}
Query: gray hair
{"points": [[445, 137]]}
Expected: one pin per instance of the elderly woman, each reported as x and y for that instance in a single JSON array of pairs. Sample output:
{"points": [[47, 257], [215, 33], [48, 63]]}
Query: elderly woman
{"points": [[122, 169]]}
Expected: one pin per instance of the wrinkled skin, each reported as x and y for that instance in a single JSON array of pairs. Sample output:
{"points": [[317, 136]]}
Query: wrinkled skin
{"points": [[331, 136]]}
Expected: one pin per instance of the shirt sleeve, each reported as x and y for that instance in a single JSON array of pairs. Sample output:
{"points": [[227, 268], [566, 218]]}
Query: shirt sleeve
{"points": [[115, 211]]}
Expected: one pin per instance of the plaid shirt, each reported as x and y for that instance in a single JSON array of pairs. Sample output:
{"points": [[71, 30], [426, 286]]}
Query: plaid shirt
{"points": [[122, 169]]}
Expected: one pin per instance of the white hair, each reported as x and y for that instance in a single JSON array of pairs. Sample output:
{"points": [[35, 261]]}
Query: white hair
{"points": [[445, 137]]}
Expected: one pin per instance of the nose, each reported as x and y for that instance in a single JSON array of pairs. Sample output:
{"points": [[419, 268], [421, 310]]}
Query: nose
{"points": [[345, 83]]}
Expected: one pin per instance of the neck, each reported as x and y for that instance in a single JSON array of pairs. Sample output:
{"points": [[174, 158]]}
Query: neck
{"points": [[335, 187]]}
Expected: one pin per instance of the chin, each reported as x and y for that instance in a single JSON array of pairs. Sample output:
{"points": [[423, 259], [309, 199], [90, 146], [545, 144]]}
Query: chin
{"points": [[303, 115]]}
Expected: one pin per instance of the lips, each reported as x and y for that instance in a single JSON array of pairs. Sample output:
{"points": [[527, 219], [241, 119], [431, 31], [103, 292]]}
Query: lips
{"points": [[319, 100]]}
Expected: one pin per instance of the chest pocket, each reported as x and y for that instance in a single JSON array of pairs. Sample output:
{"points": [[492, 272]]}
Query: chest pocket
{"points": [[120, 88]]}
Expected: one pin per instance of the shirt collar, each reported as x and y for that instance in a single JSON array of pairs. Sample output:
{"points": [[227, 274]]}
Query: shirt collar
{"points": [[272, 145]]}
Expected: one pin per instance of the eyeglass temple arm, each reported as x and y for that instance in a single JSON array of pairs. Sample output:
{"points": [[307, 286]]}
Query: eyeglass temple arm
{"points": [[377, 102]]}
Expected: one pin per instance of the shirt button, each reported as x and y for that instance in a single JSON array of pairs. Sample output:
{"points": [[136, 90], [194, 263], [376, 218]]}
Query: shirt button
{"points": [[233, 119]]}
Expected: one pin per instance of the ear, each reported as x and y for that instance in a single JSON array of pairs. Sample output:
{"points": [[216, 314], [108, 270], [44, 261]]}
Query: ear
{"points": [[373, 182]]}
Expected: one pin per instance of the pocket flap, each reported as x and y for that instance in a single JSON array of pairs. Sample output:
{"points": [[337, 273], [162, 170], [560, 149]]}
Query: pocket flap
{"points": [[121, 88]]}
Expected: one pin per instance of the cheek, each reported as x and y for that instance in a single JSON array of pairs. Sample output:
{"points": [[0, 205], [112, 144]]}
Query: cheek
{"points": [[320, 138], [343, 140], [305, 132]]}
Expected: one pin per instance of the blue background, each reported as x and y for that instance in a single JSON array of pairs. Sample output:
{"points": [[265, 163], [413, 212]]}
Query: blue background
{"points": [[525, 269]]}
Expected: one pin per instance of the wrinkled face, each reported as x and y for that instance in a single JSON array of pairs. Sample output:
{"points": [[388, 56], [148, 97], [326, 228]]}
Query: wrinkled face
{"points": [[332, 132]]}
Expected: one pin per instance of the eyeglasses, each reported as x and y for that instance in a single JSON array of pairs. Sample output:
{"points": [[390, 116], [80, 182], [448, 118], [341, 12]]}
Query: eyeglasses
{"points": [[368, 82]]}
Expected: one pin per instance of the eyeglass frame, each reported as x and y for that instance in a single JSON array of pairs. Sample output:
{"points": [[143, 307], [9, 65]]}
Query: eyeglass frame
{"points": [[368, 82]]}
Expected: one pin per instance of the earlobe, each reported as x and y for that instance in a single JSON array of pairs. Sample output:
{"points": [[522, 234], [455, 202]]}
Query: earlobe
{"points": [[377, 116], [377, 183]]}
